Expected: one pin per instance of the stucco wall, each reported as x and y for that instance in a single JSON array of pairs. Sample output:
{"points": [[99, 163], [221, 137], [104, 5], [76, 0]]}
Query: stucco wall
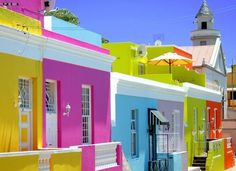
{"points": [[121, 132], [28, 8], [70, 79], [13, 68]]}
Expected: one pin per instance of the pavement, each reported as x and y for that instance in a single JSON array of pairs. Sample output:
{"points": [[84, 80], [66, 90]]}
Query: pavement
{"points": [[233, 168]]}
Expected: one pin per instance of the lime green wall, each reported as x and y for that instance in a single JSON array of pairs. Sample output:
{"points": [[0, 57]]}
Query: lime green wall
{"points": [[215, 158], [192, 146], [156, 51], [127, 63], [126, 59]]}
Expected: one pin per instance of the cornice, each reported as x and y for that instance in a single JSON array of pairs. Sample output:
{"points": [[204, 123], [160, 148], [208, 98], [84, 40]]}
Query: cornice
{"points": [[45, 43]]}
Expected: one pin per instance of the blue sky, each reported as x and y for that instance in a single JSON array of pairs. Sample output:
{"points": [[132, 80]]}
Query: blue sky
{"points": [[143, 21]]}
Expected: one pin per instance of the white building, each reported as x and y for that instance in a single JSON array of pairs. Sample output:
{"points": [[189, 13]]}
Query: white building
{"points": [[207, 51]]}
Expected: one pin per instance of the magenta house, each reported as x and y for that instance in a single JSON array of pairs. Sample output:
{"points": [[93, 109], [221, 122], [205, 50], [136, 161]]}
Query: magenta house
{"points": [[76, 105]]}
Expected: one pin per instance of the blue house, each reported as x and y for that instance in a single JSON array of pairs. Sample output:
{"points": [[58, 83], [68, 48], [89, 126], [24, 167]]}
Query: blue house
{"points": [[147, 117]]}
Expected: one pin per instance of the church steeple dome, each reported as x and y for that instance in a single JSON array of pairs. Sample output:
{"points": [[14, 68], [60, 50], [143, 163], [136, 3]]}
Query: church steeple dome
{"points": [[204, 10], [205, 34]]}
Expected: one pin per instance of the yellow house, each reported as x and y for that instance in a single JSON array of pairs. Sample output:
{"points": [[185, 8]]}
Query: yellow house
{"points": [[21, 83]]}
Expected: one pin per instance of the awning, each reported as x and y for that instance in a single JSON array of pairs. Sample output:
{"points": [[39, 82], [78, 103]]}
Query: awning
{"points": [[160, 117]]}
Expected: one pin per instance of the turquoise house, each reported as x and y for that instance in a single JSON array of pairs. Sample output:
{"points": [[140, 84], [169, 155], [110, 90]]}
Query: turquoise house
{"points": [[71, 30]]}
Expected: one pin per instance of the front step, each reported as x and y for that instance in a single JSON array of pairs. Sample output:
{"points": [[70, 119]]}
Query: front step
{"points": [[200, 162]]}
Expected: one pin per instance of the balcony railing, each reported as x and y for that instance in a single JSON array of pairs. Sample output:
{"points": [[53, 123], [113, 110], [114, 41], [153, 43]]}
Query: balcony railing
{"points": [[168, 142]]}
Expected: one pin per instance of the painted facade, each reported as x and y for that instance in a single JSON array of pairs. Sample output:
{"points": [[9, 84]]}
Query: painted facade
{"points": [[208, 54], [74, 31], [21, 119], [48, 108], [33, 9], [196, 99], [69, 91], [132, 107]]}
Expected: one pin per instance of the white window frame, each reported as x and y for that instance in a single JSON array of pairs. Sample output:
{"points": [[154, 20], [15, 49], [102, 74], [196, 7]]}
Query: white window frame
{"points": [[22, 104], [196, 123], [26, 109], [208, 122], [86, 117], [54, 94], [141, 68], [215, 121], [134, 131]]}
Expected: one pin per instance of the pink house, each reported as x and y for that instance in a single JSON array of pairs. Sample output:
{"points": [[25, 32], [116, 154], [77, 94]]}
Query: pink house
{"points": [[76, 101]]}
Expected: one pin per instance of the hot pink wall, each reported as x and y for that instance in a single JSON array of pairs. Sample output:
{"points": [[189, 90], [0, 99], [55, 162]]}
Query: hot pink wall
{"points": [[70, 79], [32, 8], [74, 41]]}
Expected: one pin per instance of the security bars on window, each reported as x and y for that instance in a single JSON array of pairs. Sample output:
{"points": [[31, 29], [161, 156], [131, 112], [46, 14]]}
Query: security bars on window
{"points": [[24, 93], [50, 97], [86, 113]]}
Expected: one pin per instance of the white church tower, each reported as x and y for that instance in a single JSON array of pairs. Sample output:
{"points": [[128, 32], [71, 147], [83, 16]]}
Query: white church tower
{"points": [[205, 34]]}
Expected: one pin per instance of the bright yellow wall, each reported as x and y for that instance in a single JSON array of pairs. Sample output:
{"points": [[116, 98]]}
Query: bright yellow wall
{"points": [[70, 161], [19, 163], [15, 20], [13, 67]]}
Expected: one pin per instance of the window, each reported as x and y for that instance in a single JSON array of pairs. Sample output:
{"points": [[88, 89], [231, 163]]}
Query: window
{"points": [[203, 43], [141, 68], [24, 93], [50, 97], [232, 95], [134, 136], [204, 25], [86, 114]]}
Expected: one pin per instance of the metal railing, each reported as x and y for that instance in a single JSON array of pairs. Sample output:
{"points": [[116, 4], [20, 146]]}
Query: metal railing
{"points": [[168, 142], [159, 165]]}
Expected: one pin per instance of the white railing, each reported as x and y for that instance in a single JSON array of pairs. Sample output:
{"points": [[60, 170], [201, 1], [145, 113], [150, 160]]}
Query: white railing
{"points": [[44, 156], [168, 142], [105, 155], [228, 140]]}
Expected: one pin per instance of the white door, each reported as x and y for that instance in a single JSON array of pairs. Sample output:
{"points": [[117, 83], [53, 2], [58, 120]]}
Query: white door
{"points": [[25, 114], [51, 114]]}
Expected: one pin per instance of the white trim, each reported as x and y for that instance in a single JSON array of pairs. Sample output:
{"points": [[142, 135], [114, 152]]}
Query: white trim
{"points": [[39, 47], [89, 129], [135, 86], [204, 93], [215, 53]]}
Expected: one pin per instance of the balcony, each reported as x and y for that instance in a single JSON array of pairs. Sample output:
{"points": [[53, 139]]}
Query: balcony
{"points": [[44, 160], [178, 75]]}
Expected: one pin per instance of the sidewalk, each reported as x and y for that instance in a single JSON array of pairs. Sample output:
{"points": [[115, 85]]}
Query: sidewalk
{"points": [[233, 168]]}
